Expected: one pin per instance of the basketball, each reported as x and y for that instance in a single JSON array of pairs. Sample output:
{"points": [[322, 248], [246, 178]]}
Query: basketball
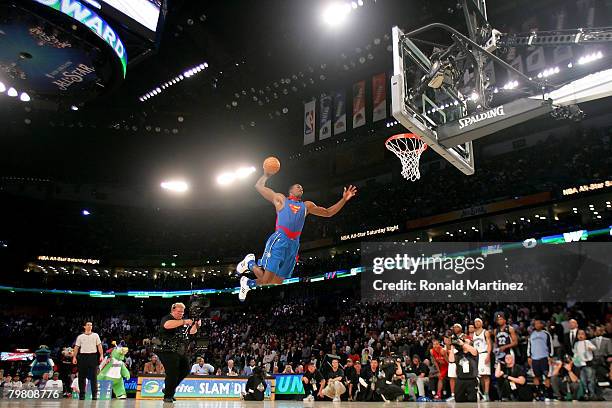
{"points": [[271, 165]]}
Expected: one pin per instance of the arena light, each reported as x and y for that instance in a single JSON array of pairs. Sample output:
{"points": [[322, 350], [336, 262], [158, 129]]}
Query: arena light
{"points": [[2, 87], [188, 73], [335, 14], [244, 172], [226, 179], [590, 58], [549, 72], [176, 186], [24, 97], [86, 212], [12, 92], [511, 85]]}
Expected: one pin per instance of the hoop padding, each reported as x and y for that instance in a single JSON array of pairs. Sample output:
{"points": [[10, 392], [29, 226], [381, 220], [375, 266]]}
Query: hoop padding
{"points": [[408, 148]]}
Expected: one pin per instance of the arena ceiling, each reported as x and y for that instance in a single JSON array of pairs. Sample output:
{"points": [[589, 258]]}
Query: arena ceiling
{"points": [[264, 58]]}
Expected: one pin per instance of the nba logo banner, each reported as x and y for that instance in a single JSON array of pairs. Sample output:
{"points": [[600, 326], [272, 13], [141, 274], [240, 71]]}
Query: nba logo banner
{"points": [[309, 121], [379, 97], [339, 113], [326, 119], [359, 104]]}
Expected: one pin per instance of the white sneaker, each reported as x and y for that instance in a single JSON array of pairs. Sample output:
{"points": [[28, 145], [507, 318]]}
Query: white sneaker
{"points": [[309, 398], [244, 288], [336, 399], [243, 265], [451, 399]]}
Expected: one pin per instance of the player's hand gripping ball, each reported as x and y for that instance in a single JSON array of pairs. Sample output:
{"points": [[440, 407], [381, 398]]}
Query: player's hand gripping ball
{"points": [[271, 165]]}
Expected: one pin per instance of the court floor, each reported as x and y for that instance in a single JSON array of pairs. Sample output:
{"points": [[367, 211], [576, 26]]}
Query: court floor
{"points": [[132, 403]]}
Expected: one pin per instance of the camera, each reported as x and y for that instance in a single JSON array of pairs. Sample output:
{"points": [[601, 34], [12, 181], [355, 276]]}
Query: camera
{"points": [[198, 305], [458, 341]]}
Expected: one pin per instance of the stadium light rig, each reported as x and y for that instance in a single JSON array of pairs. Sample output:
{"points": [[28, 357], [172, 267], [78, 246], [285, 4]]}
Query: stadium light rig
{"points": [[335, 13], [187, 74], [175, 186], [13, 93], [228, 178]]}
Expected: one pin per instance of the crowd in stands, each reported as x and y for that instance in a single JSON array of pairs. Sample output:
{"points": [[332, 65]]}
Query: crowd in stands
{"points": [[300, 333]]}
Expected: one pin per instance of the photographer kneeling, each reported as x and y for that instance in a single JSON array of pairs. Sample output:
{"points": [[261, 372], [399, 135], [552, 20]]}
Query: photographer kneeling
{"points": [[565, 380], [511, 381], [256, 386], [389, 387], [334, 378], [466, 358], [313, 383]]}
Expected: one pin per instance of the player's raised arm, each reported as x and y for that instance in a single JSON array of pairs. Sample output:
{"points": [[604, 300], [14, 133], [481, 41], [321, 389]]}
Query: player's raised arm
{"points": [[349, 192], [275, 198]]}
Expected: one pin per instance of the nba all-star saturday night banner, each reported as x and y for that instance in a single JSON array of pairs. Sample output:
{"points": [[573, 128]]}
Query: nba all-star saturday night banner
{"points": [[339, 113], [309, 121], [531, 271], [379, 97], [325, 125], [359, 118], [94, 22]]}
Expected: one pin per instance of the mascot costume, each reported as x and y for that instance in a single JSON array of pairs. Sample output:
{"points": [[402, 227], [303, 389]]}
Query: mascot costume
{"points": [[113, 369], [42, 363]]}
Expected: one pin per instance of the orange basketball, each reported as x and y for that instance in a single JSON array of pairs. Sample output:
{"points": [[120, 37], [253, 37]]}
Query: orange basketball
{"points": [[271, 165]]}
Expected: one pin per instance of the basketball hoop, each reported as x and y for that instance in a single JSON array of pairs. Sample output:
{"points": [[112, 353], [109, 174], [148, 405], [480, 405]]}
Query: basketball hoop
{"points": [[408, 148]]}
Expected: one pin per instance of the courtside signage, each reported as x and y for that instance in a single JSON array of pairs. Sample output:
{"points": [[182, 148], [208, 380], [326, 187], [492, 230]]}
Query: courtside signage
{"points": [[77, 11], [289, 384], [151, 387]]}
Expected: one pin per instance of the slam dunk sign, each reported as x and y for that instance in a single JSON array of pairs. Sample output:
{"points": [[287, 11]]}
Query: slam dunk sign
{"points": [[206, 387], [95, 23]]}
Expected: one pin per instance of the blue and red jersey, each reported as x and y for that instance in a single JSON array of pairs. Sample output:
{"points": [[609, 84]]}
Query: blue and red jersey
{"points": [[290, 219]]}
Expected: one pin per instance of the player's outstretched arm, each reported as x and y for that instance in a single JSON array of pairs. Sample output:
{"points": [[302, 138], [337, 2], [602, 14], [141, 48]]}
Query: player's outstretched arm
{"points": [[275, 198], [349, 192]]}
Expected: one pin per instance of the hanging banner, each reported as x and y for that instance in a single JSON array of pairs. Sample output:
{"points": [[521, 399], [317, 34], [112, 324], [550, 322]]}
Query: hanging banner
{"points": [[325, 124], [359, 104], [309, 122], [379, 97], [339, 113]]}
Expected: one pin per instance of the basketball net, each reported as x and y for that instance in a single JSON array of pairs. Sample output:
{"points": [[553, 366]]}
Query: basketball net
{"points": [[408, 148]]}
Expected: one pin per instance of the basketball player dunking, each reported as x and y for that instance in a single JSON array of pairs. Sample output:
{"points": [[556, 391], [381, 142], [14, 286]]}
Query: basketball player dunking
{"points": [[280, 253]]}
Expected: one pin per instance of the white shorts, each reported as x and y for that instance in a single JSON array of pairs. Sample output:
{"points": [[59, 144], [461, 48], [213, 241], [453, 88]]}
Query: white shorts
{"points": [[452, 370], [483, 368]]}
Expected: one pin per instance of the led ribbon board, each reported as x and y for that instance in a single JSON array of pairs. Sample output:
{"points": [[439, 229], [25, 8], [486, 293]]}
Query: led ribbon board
{"points": [[77, 11]]}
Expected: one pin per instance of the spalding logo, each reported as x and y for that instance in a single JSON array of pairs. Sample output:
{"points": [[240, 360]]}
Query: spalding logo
{"points": [[471, 120]]}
